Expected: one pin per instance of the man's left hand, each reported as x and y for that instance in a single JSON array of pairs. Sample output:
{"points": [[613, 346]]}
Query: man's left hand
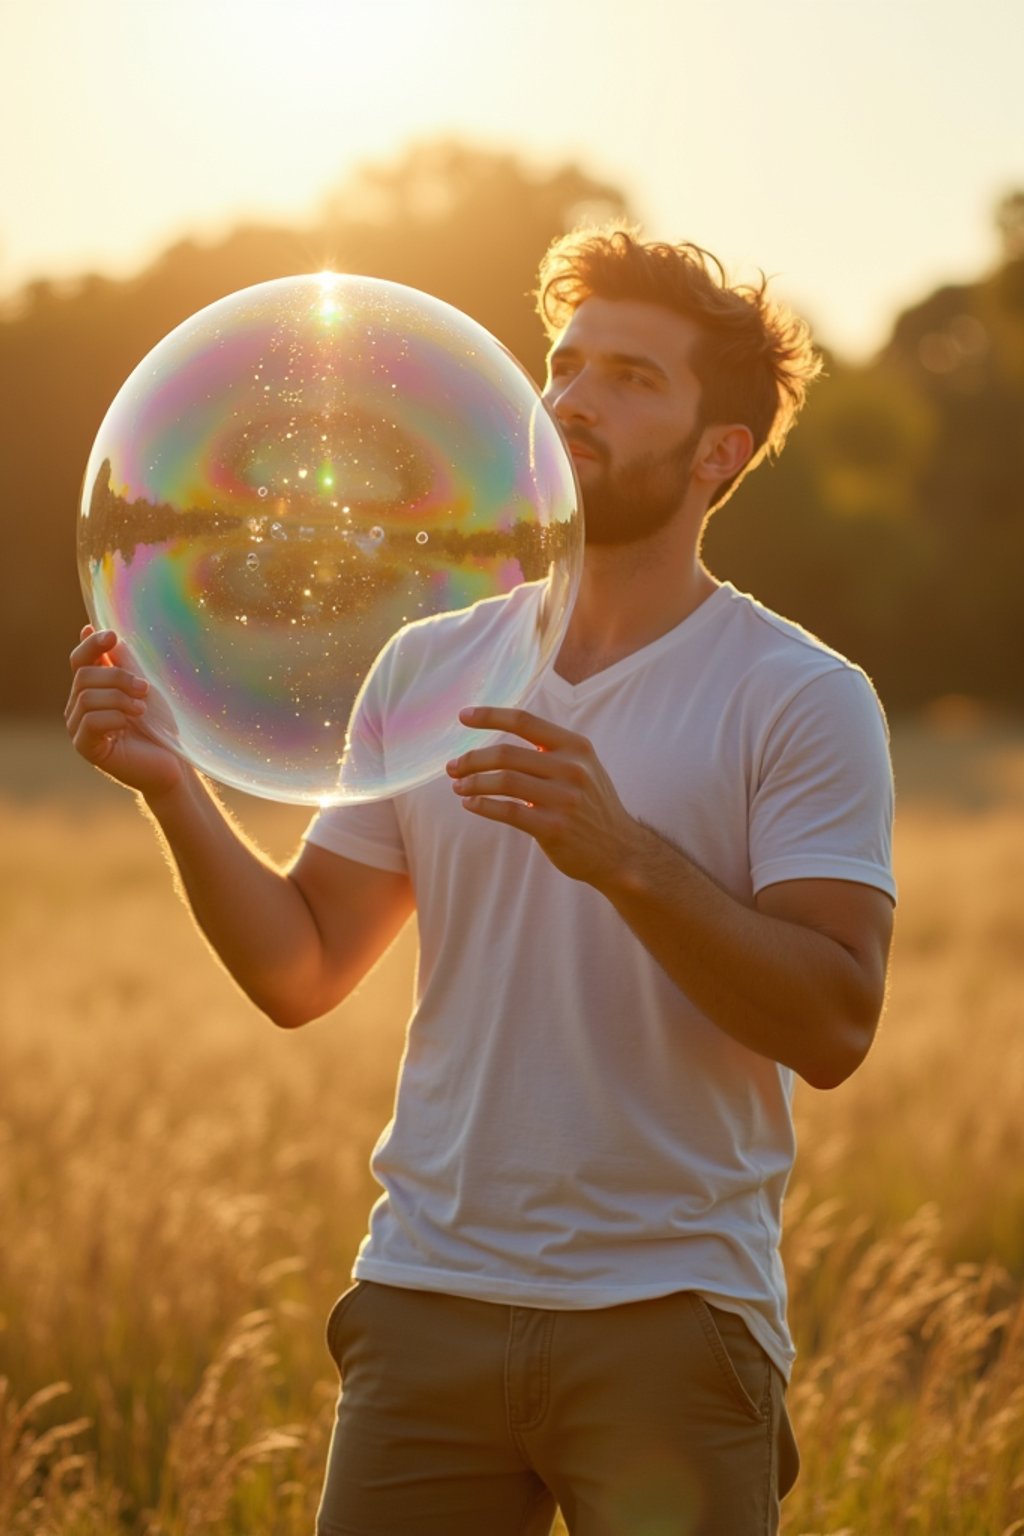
{"points": [[554, 788]]}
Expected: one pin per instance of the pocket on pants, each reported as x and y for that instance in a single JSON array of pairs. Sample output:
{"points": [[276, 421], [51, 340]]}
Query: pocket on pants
{"points": [[336, 1318], [743, 1366]]}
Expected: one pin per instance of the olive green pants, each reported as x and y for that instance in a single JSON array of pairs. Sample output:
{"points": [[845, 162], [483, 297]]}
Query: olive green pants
{"points": [[465, 1418]]}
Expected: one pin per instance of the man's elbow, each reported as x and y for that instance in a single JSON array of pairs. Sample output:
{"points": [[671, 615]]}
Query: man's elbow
{"points": [[290, 1012], [289, 1018], [846, 1044], [832, 1072]]}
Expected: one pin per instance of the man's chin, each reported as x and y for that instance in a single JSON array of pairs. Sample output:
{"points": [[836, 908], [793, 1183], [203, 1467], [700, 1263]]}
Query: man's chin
{"points": [[597, 535], [606, 527]]}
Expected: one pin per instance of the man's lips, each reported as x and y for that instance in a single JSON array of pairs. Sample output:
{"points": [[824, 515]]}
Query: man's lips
{"points": [[582, 450]]}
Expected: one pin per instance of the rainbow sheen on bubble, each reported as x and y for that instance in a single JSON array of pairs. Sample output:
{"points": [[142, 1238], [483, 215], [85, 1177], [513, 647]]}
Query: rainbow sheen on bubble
{"points": [[323, 515]]}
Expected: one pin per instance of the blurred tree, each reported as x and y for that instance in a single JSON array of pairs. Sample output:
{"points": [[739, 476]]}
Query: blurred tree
{"points": [[466, 224], [828, 535], [871, 434], [962, 351], [1010, 222]]}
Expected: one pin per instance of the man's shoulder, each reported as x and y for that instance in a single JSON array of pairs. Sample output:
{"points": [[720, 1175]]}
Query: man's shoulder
{"points": [[772, 641], [459, 627], [442, 656], [776, 671]]}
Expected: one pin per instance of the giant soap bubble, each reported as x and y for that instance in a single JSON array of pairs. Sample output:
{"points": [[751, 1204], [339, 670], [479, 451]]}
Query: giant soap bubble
{"points": [[324, 514]]}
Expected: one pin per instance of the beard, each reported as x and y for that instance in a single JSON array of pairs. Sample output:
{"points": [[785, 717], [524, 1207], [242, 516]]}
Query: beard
{"points": [[634, 502]]}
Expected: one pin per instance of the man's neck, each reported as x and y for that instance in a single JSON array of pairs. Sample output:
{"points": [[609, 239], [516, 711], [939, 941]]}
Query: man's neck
{"points": [[630, 595]]}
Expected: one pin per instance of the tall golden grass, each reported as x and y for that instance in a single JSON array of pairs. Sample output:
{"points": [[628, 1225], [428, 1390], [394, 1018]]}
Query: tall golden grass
{"points": [[182, 1187]]}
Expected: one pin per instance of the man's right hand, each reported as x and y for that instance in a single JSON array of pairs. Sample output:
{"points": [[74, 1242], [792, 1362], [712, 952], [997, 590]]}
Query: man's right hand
{"points": [[105, 715], [296, 941]]}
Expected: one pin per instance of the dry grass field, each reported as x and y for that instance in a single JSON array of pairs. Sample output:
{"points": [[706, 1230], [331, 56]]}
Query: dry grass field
{"points": [[182, 1187]]}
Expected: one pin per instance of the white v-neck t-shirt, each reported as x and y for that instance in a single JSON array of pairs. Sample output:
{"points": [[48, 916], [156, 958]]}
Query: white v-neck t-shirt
{"points": [[569, 1129]]}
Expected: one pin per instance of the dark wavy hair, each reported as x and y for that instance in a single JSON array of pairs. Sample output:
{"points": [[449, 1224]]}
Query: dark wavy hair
{"points": [[753, 359]]}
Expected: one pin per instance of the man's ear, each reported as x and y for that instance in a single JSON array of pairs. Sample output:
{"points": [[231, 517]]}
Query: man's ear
{"points": [[723, 452]]}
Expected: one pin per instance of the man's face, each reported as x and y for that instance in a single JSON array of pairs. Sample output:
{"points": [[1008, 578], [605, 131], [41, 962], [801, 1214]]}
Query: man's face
{"points": [[621, 387]]}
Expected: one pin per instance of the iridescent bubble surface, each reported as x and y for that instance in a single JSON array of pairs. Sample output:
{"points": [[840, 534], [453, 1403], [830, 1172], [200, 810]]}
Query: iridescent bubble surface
{"points": [[324, 514]]}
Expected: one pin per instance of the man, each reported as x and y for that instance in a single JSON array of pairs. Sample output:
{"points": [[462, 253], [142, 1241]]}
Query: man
{"points": [[664, 891]]}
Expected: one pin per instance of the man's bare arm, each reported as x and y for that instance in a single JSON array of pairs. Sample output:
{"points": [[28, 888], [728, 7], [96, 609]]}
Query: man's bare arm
{"points": [[296, 941], [798, 977]]}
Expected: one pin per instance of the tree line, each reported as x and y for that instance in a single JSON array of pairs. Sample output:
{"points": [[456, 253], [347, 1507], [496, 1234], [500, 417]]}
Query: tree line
{"points": [[892, 525]]}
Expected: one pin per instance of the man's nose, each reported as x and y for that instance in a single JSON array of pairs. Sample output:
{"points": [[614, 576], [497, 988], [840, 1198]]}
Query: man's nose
{"points": [[571, 399]]}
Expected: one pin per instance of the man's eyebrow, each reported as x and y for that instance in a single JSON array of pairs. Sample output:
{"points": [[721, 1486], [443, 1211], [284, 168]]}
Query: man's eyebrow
{"points": [[617, 359], [637, 360]]}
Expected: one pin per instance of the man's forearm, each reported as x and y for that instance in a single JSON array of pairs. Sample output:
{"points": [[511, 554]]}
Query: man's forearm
{"points": [[801, 984], [784, 990], [254, 918]]}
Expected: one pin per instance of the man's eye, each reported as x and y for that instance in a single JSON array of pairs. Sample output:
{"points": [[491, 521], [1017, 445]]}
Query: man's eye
{"points": [[631, 376]]}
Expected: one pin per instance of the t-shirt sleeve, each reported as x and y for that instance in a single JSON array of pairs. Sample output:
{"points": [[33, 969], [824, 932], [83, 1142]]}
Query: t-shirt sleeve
{"points": [[367, 831], [823, 803]]}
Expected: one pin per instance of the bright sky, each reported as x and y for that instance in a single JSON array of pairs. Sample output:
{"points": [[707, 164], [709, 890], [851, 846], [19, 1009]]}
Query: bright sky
{"points": [[853, 148]]}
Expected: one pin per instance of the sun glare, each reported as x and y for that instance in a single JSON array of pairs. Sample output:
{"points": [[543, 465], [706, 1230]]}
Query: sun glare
{"points": [[328, 306]]}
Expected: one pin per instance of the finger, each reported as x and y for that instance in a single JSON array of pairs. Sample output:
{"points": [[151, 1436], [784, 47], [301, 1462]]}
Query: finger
{"points": [[520, 722], [100, 681], [97, 728], [504, 755], [88, 699], [109, 676], [512, 813], [516, 786], [91, 650], [122, 715], [104, 688]]}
